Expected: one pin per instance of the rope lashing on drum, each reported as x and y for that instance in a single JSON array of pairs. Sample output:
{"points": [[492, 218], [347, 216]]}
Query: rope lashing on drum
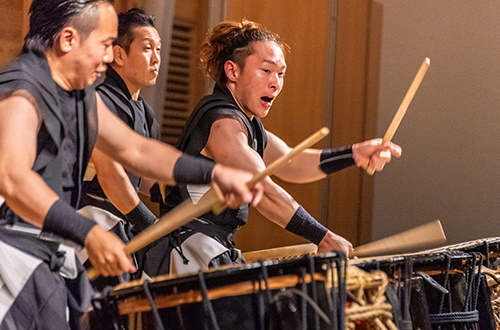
{"points": [[368, 312], [303, 303], [457, 317], [313, 286], [154, 308], [398, 294], [207, 304], [288, 293], [477, 279], [470, 315], [370, 303], [495, 304], [487, 254], [265, 278], [494, 285]]}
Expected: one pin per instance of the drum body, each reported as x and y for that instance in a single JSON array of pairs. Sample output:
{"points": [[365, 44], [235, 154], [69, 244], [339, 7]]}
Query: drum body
{"points": [[304, 293]]}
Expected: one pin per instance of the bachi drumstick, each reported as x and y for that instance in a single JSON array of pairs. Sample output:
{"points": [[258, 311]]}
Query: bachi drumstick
{"points": [[426, 236], [404, 105]]}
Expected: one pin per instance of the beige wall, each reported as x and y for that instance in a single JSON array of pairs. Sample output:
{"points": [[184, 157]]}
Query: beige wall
{"points": [[449, 170]]}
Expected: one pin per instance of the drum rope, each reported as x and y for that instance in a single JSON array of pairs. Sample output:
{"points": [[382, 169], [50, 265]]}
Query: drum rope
{"points": [[495, 304], [288, 293], [495, 294], [303, 304], [154, 308], [313, 286], [456, 317], [470, 314], [265, 277], [370, 303], [207, 304], [487, 255], [477, 277]]}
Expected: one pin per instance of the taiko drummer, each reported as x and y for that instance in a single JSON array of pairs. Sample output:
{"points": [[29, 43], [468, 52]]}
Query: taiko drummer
{"points": [[247, 64]]}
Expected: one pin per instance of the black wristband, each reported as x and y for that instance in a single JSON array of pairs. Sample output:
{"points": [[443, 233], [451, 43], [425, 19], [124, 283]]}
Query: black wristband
{"points": [[303, 224], [63, 221], [333, 160], [189, 169], [141, 216]]}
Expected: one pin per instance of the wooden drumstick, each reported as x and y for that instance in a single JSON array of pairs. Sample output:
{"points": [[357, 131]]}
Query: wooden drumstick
{"points": [[427, 236], [281, 252], [404, 105], [211, 200]]}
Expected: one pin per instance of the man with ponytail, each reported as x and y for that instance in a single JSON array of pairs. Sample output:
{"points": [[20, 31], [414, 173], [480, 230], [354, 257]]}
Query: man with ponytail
{"points": [[247, 64]]}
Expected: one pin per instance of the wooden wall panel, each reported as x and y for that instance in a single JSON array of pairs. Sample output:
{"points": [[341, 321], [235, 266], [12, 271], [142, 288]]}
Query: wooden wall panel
{"points": [[15, 23], [298, 111], [355, 102], [14, 18], [195, 11]]}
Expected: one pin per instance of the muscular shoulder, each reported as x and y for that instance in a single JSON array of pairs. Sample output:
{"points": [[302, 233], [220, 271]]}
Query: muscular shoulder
{"points": [[227, 138], [228, 127]]}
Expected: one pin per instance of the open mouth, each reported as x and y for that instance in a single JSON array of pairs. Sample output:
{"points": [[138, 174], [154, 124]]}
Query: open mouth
{"points": [[267, 99]]}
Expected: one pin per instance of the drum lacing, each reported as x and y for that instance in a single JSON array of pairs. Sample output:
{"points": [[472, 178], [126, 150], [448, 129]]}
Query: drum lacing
{"points": [[265, 278], [207, 304], [370, 303], [495, 300], [470, 315], [154, 308], [487, 255], [313, 287], [495, 294], [288, 293], [404, 293], [261, 306], [458, 317]]}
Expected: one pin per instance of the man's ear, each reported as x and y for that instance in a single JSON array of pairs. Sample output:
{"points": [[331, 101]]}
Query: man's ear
{"points": [[119, 55], [232, 70], [68, 37]]}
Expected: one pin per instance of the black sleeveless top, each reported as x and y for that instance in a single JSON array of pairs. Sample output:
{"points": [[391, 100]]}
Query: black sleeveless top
{"points": [[30, 76], [220, 104]]}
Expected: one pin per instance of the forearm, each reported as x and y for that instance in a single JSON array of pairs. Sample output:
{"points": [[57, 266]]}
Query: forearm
{"points": [[310, 165], [276, 204], [143, 157], [303, 168], [117, 187], [146, 158], [280, 208]]}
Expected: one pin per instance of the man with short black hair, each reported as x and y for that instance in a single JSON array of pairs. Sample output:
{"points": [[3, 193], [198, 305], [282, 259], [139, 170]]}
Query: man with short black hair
{"points": [[110, 197]]}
